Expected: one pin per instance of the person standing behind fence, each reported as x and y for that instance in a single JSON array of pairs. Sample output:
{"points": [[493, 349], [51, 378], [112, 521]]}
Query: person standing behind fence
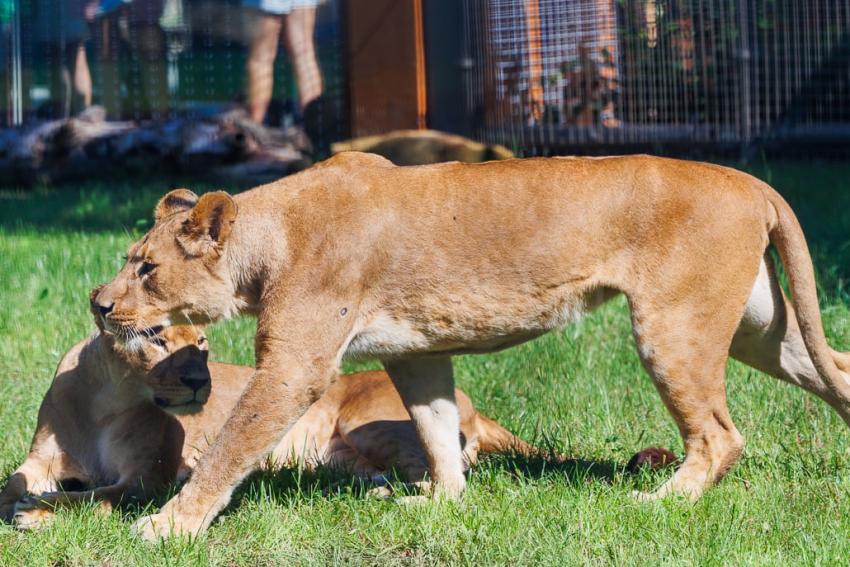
{"points": [[62, 28], [297, 20], [132, 26]]}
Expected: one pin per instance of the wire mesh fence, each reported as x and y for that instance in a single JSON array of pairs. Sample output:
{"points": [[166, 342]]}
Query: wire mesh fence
{"points": [[540, 76], [550, 74]]}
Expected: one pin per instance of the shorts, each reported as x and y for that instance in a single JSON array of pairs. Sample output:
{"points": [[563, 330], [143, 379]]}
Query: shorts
{"points": [[279, 7], [139, 12], [60, 23]]}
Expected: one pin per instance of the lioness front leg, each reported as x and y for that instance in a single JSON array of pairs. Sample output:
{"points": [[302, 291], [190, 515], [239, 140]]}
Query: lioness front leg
{"points": [[426, 386], [280, 392], [32, 475], [42, 470]]}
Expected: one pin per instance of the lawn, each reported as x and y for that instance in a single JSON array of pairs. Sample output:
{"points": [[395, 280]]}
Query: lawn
{"points": [[581, 392]]}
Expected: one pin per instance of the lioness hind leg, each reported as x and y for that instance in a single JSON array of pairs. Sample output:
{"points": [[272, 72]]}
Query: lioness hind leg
{"points": [[426, 386], [686, 359], [768, 339]]}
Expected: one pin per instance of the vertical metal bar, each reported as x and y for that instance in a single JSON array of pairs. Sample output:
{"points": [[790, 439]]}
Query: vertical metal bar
{"points": [[421, 87], [17, 85], [745, 59], [535, 65]]}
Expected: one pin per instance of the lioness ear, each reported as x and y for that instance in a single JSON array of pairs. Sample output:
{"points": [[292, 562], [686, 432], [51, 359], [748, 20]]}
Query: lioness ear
{"points": [[174, 202], [209, 223]]}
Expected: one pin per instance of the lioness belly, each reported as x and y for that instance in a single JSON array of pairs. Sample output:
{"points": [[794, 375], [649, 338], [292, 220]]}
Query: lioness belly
{"points": [[476, 327]]}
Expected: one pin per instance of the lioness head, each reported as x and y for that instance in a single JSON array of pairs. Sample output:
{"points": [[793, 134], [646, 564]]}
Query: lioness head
{"points": [[170, 362], [176, 273]]}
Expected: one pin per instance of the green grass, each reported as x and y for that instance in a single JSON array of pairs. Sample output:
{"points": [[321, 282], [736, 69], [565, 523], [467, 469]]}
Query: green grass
{"points": [[580, 391]]}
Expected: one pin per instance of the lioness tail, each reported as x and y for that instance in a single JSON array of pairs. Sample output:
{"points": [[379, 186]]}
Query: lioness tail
{"points": [[493, 438], [788, 238]]}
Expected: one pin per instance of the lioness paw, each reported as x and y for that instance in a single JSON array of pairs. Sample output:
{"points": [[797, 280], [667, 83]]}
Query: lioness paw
{"points": [[30, 513], [7, 512], [162, 526], [380, 492], [146, 528]]}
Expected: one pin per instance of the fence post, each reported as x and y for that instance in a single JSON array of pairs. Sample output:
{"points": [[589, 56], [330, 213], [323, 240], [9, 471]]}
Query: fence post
{"points": [[744, 56], [16, 91]]}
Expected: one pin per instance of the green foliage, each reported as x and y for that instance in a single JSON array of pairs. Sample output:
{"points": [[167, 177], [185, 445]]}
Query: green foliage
{"points": [[581, 392]]}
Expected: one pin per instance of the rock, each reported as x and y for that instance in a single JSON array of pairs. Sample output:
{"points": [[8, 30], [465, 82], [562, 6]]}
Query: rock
{"points": [[651, 458]]}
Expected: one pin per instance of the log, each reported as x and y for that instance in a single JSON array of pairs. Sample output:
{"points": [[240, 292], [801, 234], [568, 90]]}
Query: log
{"points": [[225, 146]]}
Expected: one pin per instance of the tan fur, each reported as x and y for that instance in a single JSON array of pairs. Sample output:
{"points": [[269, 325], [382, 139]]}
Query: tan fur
{"points": [[356, 257], [99, 425]]}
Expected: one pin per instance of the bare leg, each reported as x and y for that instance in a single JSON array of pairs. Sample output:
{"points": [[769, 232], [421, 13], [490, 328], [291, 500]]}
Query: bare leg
{"points": [[148, 44], [73, 81], [299, 26], [110, 76], [58, 77], [261, 57], [82, 79], [426, 386]]}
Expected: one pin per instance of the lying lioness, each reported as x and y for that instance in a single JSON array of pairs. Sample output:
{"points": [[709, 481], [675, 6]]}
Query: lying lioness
{"points": [[102, 424], [418, 147], [356, 257]]}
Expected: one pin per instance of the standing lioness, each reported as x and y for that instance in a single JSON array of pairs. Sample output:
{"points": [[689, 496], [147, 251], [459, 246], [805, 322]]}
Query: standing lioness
{"points": [[357, 257]]}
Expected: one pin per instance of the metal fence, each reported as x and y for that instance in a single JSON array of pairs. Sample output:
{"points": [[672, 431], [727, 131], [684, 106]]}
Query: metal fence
{"points": [[550, 75], [147, 59], [540, 76]]}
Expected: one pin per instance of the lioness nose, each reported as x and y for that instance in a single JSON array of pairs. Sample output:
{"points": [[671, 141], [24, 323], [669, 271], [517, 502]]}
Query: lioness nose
{"points": [[105, 309], [196, 381]]}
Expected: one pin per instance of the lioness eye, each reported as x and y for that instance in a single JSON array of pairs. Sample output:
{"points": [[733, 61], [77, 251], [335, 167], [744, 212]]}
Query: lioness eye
{"points": [[202, 340], [146, 268], [158, 341]]}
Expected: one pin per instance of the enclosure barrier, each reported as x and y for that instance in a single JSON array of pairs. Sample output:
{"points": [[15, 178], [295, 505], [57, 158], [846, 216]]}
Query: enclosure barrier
{"points": [[549, 75]]}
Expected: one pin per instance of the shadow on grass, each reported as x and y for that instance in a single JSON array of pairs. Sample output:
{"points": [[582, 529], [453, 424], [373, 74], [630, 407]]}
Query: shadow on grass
{"points": [[283, 485]]}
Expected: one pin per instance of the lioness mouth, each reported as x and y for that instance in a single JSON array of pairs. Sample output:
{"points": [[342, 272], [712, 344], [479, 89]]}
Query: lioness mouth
{"points": [[125, 333], [163, 403]]}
